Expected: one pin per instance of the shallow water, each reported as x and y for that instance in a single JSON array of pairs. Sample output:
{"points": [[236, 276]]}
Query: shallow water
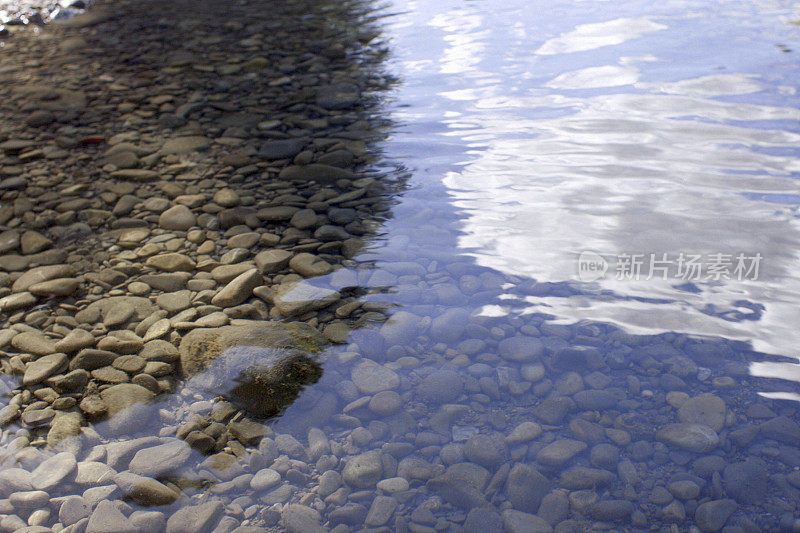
{"points": [[510, 389], [535, 132]]}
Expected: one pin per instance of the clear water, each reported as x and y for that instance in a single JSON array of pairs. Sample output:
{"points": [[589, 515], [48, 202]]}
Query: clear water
{"points": [[528, 133], [536, 131]]}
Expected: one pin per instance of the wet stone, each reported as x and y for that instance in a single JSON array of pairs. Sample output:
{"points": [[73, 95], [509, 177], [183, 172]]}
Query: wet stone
{"points": [[298, 518], [485, 450], [54, 470], [441, 386], [782, 429], [706, 409], [371, 378], [521, 349], [195, 518], [363, 471], [712, 516], [611, 510], [748, 481], [462, 485], [107, 518], [692, 437], [526, 487], [520, 522], [560, 452], [160, 460]]}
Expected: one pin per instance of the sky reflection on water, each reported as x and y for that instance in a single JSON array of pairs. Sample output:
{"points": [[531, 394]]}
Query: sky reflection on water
{"points": [[601, 129]]}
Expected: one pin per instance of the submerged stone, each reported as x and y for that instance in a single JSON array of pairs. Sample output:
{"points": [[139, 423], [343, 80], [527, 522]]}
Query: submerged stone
{"points": [[260, 368]]}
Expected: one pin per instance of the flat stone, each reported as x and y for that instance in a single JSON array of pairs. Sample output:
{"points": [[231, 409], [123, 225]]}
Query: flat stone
{"points": [[485, 450], [706, 409], [282, 149], [178, 218], [144, 490], [326, 174], [41, 274], [692, 437], [381, 511], [107, 518], [73, 509], [298, 518], [171, 262], [184, 145], [338, 96], [611, 510], [33, 342], [135, 174], [44, 367], [75, 340], [462, 485], [560, 451], [371, 378], [711, 516], [33, 242], [59, 468], [747, 482], [55, 287], [519, 522], [272, 261], [298, 298], [309, 265], [238, 290], [524, 432], [363, 471], [160, 460], [174, 302], [782, 429], [195, 518], [15, 302], [521, 348], [526, 487], [441, 386], [94, 473], [265, 479]]}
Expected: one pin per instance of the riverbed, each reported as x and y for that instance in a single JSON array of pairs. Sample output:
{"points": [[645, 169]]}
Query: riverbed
{"points": [[543, 255]]}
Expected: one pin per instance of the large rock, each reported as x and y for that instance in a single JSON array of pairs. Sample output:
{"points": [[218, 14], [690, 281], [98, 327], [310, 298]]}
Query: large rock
{"points": [[260, 368]]}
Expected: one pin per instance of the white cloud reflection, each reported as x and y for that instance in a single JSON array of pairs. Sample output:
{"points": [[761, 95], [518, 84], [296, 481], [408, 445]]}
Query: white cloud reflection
{"points": [[592, 36]]}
